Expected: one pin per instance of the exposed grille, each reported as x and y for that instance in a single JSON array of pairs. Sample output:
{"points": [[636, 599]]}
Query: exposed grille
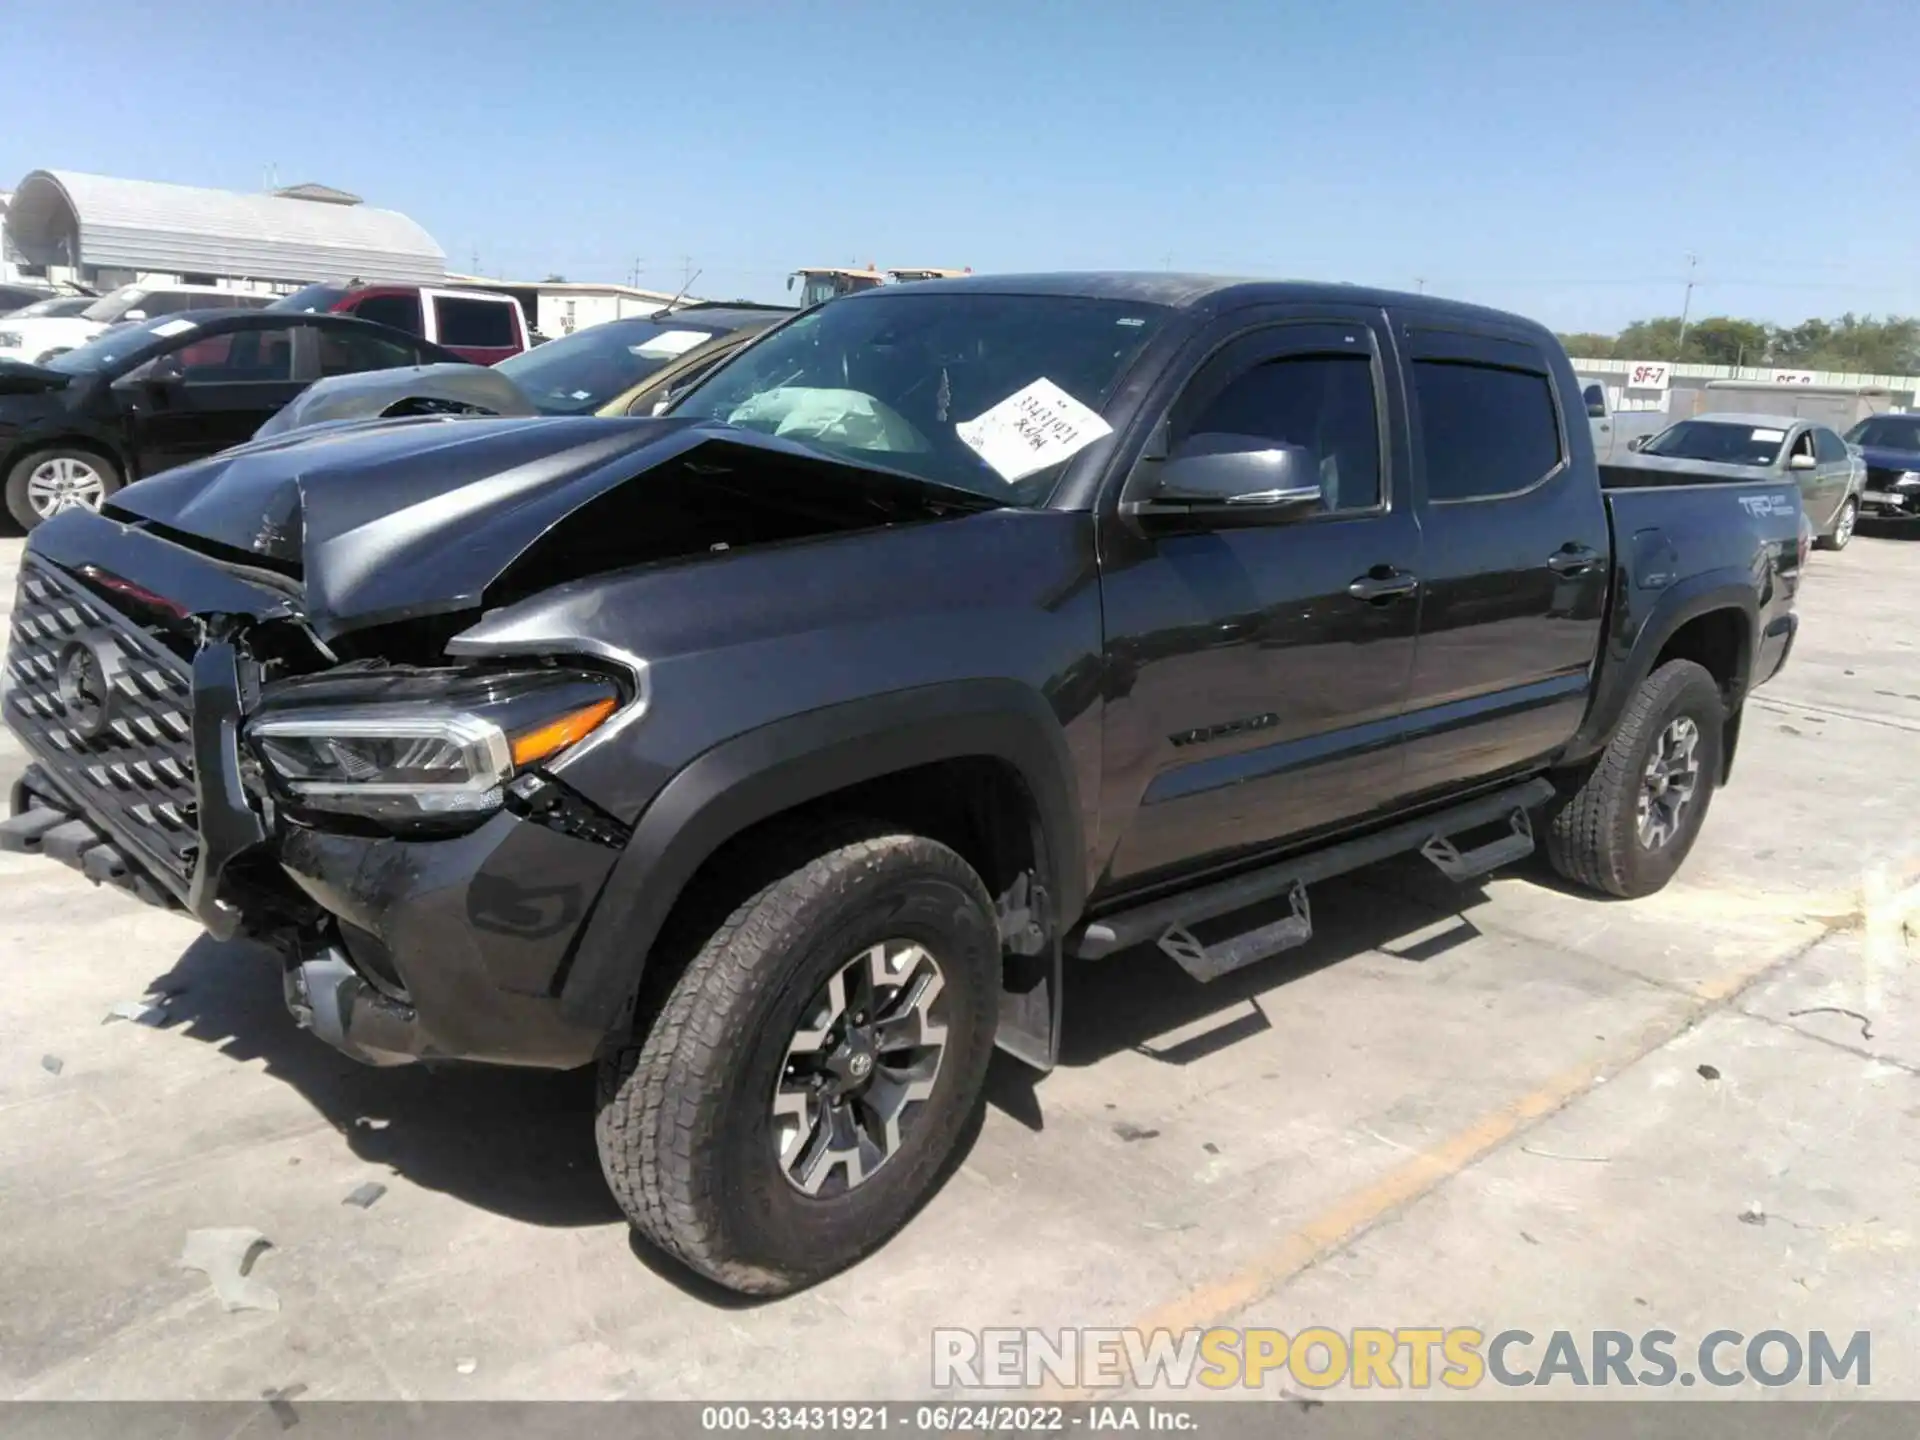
{"points": [[108, 709], [1879, 479]]}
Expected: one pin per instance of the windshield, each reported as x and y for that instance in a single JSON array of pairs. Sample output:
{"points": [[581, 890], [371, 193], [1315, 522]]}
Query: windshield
{"points": [[1719, 441], [1890, 432], [61, 305], [581, 372], [313, 300], [988, 393], [103, 351], [112, 306]]}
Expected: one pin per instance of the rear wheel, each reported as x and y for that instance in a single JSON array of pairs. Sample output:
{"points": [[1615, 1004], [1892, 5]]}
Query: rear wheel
{"points": [[813, 1067], [1637, 810], [1843, 526], [58, 478]]}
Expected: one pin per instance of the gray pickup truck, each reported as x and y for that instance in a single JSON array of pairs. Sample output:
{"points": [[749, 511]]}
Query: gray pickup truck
{"points": [[777, 754]]}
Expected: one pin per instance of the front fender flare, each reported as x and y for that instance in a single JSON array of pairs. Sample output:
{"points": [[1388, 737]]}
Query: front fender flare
{"points": [[789, 762]]}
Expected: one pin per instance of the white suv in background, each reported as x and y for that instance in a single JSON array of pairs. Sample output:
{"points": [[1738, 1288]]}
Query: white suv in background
{"points": [[41, 337]]}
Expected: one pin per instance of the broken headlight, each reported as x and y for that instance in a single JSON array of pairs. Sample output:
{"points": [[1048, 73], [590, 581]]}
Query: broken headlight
{"points": [[414, 746]]}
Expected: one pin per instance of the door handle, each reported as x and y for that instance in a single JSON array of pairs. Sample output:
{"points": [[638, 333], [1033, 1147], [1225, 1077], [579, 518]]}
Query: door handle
{"points": [[1383, 583], [1572, 559]]}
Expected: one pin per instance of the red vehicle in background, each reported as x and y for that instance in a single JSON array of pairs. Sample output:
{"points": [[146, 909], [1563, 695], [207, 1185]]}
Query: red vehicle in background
{"points": [[476, 325]]}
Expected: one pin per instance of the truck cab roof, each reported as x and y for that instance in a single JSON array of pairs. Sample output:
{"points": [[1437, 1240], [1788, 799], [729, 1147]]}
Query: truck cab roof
{"points": [[1189, 291]]}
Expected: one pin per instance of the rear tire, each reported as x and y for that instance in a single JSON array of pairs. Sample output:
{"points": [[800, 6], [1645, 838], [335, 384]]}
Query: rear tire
{"points": [[58, 477], [1622, 831], [691, 1129], [1843, 526]]}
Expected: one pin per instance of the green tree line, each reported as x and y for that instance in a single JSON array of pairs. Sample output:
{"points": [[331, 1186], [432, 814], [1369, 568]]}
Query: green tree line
{"points": [[1859, 343]]}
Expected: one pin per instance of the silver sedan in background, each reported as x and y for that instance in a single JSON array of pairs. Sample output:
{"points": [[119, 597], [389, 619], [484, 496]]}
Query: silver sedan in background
{"points": [[1830, 472]]}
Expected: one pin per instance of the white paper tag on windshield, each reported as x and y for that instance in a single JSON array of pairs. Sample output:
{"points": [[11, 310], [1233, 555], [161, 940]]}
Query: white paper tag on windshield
{"points": [[1769, 435], [1030, 430], [174, 327], [669, 343]]}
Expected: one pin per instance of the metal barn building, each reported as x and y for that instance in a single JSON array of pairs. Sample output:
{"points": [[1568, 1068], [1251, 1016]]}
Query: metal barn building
{"points": [[101, 231]]}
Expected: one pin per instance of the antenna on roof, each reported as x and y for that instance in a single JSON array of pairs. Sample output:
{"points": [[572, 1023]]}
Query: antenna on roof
{"points": [[667, 308]]}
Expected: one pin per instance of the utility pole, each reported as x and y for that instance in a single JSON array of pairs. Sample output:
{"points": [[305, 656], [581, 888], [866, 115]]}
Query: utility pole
{"points": [[1419, 284], [1686, 308], [1166, 261], [686, 273], [635, 278]]}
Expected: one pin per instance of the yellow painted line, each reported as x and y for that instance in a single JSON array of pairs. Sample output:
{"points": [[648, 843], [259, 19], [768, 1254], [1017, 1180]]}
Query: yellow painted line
{"points": [[1218, 1301]]}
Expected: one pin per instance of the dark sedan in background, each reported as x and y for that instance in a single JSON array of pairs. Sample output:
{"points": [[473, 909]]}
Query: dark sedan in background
{"points": [[619, 367], [144, 398], [1890, 444]]}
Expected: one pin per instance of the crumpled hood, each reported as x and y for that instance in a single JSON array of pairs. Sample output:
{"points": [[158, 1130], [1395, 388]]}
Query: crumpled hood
{"points": [[367, 395], [1882, 458], [387, 520]]}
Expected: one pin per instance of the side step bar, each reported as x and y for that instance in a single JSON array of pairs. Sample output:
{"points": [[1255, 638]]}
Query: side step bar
{"points": [[1167, 921]]}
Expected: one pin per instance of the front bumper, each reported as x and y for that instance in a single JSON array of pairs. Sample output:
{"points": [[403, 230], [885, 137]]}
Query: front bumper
{"points": [[1891, 502], [394, 949], [433, 949]]}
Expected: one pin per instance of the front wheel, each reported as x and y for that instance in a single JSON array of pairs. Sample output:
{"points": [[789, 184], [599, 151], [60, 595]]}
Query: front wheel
{"points": [[1638, 809], [1843, 525], [58, 478], [812, 1068]]}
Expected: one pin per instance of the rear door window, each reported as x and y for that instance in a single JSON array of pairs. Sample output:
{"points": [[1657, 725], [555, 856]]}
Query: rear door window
{"points": [[479, 324], [400, 311], [1485, 430]]}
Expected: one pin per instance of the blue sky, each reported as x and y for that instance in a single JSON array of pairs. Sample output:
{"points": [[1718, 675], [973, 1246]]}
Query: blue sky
{"points": [[1552, 157]]}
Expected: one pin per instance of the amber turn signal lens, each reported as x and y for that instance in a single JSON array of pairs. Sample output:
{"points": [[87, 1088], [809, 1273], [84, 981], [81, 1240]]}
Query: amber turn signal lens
{"points": [[555, 736]]}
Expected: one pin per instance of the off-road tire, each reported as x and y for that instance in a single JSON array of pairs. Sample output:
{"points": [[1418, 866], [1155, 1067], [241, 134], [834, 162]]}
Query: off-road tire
{"points": [[1593, 837], [20, 508], [684, 1126]]}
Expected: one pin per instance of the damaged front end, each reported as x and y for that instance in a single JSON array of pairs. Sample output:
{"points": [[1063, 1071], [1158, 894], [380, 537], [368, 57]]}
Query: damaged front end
{"points": [[389, 830], [241, 703]]}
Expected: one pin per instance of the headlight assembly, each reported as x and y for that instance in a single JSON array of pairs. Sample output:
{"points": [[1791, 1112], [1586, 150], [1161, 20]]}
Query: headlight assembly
{"points": [[1908, 479], [420, 746]]}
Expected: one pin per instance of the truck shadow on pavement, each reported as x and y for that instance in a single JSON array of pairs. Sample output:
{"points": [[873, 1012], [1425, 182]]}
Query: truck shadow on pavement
{"points": [[1140, 1000], [516, 1142], [520, 1143]]}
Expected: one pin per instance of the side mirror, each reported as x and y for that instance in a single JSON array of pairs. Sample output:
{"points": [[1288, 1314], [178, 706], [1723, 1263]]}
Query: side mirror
{"points": [[1596, 403], [1800, 460], [157, 380], [1638, 442], [1230, 480]]}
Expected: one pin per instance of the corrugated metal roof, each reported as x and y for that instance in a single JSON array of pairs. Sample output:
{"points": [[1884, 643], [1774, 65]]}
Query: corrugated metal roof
{"points": [[145, 225]]}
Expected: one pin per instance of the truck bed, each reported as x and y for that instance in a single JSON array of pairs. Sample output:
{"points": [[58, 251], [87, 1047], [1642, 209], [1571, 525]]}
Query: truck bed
{"points": [[1654, 473]]}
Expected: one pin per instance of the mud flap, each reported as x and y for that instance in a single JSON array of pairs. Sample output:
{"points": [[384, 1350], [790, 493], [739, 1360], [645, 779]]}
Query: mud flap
{"points": [[1029, 1021]]}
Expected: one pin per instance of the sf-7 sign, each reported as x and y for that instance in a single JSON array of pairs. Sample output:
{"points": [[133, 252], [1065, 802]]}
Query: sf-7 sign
{"points": [[1648, 375]]}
